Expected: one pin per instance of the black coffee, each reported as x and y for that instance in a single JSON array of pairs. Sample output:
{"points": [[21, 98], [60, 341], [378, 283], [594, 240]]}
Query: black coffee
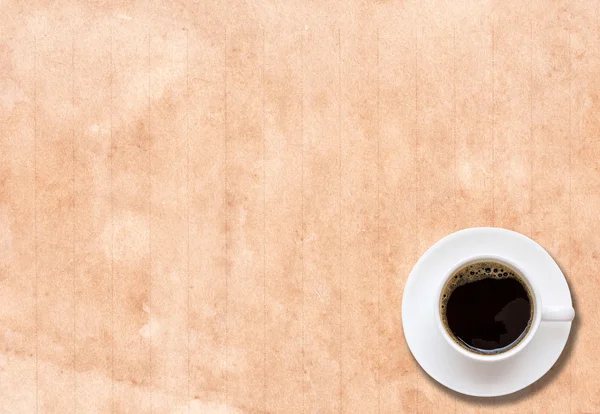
{"points": [[486, 307]]}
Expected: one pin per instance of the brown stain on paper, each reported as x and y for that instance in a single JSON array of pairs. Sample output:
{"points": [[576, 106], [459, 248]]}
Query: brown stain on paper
{"points": [[212, 207]]}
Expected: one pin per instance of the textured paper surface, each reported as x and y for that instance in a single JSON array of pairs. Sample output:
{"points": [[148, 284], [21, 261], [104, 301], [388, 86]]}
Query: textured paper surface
{"points": [[214, 207]]}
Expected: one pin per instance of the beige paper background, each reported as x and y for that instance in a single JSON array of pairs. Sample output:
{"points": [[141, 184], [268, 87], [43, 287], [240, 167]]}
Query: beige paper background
{"points": [[214, 207]]}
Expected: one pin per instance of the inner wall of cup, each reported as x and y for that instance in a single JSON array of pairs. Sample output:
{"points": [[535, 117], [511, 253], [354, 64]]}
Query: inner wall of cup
{"points": [[447, 289]]}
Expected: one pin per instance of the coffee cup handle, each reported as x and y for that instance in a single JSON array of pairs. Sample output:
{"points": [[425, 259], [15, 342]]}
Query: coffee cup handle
{"points": [[558, 313]]}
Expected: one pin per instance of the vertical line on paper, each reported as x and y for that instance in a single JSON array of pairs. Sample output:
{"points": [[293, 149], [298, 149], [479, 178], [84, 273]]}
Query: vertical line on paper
{"points": [[187, 154], [531, 128], [74, 284], [302, 204], [226, 222], [150, 205], [264, 229], [417, 178], [455, 69], [570, 220], [378, 238], [35, 227], [493, 132], [112, 229], [340, 283]]}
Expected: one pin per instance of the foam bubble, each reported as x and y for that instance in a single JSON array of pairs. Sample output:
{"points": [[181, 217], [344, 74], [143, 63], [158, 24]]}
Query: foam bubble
{"points": [[473, 272]]}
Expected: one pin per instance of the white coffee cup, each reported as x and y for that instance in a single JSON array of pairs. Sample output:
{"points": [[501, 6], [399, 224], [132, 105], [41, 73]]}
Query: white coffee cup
{"points": [[541, 313]]}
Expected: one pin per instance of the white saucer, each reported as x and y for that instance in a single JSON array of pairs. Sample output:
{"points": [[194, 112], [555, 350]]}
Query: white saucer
{"points": [[438, 358]]}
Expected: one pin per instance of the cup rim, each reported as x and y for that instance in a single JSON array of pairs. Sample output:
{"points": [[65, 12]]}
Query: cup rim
{"points": [[537, 316]]}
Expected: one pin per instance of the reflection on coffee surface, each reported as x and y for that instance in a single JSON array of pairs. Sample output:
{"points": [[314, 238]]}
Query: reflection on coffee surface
{"points": [[486, 307]]}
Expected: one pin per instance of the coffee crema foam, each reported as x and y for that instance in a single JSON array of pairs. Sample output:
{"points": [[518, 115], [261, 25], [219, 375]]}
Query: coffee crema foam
{"points": [[478, 271]]}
